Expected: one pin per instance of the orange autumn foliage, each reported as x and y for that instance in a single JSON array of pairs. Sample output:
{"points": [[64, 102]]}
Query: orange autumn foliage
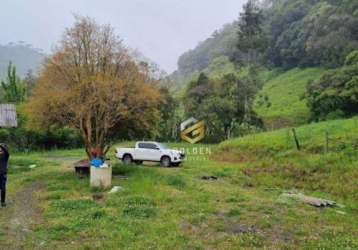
{"points": [[91, 83]]}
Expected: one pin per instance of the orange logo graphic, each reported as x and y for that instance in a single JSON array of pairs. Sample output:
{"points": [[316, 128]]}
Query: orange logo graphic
{"points": [[192, 130]]}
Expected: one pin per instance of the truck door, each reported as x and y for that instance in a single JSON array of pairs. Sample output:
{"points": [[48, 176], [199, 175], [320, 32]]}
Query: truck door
{"points": [[141, 151], [149, 151], [154, 152]]}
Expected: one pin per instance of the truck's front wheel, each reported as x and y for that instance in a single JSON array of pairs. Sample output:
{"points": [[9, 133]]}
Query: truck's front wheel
{"points": [[127, 159], [165, 161]]}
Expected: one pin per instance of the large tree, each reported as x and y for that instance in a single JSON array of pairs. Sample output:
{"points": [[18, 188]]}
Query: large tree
{"points": [[91, 83], [225, 104]]}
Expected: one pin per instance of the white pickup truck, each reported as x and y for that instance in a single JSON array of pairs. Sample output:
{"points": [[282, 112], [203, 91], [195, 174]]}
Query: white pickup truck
{"points": [[150, 151]]}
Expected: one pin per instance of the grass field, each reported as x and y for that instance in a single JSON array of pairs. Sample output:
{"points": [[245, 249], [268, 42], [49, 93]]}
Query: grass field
{"points": [[173, 208], [281, 101]]}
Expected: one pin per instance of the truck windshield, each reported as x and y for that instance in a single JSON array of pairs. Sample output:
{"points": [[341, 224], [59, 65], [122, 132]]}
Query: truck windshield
{"points": [[162, 146]]}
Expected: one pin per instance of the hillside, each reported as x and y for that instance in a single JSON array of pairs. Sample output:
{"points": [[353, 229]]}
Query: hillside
{"points": [[326, 162], [23, 56], [281, 101], [291, 43], [343, 134]]}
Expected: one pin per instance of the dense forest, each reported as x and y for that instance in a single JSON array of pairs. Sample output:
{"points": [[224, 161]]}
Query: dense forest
{"points": [[269, 39], [298, 33]]}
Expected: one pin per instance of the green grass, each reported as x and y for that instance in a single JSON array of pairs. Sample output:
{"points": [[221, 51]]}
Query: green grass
{"points": [[173, 208], [281, 101], [273, 159]]}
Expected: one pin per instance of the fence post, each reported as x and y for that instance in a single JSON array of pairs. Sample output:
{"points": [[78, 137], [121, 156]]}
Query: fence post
{"points": [[296, 139], [327, 142], [288, 139]]}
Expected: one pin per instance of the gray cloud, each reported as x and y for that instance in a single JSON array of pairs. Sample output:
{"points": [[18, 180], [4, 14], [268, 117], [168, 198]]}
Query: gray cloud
{"points": [[161, 29]]}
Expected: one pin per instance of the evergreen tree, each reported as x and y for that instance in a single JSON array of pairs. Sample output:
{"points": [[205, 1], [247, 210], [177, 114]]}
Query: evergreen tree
{"points": [[251, 38], [14, 90]]}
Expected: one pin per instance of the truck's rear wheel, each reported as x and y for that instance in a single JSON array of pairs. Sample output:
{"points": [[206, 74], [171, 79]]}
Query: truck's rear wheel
{"points": [[127, 159], [165, 161]]}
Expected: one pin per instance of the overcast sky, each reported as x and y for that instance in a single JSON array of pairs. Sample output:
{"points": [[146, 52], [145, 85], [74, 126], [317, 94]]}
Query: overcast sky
{"points": [[161, 29]]}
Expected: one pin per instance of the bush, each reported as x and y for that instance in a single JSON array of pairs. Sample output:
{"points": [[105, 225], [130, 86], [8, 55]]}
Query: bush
{"points": [[21, 139], [334, 115], [335, 94]]}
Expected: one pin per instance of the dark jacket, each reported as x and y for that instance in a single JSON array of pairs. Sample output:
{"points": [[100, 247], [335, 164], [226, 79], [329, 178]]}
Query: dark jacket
{"points": [[4, 158]]}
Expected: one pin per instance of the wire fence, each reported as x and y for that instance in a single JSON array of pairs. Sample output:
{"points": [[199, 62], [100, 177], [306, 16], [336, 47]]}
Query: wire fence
{"points": [[325, 138]]}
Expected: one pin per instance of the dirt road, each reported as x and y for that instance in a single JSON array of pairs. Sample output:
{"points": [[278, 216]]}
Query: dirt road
{"points": [[18, 219]]}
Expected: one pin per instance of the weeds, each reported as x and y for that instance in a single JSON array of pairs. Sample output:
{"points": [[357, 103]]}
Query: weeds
{"points": [[79, 206], [139, 207], [176, 181]]}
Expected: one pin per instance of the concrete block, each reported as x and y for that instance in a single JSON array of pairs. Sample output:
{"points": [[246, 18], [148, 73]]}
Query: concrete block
{"points": [[101, 177]]}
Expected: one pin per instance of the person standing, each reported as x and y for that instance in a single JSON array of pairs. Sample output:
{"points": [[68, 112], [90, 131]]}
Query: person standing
{"points": [[4, 158]]}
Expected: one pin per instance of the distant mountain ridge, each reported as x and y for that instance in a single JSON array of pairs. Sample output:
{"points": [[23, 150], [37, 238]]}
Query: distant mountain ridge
{"points": [[22, 55], [214, 50], [220, 43]]}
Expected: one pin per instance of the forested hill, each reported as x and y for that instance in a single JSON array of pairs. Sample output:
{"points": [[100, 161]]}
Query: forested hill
{"points": [[221, 43], [298, 33], [282, 63], [25, 57]]}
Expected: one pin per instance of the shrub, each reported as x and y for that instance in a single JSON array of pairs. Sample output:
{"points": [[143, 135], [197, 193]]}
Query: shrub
{"points": [[335, 94], [352, 58], [21, 139]]}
